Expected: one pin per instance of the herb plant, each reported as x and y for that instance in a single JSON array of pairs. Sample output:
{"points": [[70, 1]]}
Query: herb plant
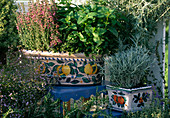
{"points": [[128, 69], [92, 29], [38, 27]]}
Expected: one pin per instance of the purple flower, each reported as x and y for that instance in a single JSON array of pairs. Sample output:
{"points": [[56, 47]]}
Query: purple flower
{"points": [[27, 103]]}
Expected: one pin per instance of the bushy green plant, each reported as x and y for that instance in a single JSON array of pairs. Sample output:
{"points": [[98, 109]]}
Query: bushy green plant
{"points": [[93, 29], [128, 68], [147, 12], [8, 31]]}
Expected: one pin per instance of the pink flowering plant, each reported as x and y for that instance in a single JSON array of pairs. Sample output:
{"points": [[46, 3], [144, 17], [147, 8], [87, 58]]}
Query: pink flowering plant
{"points": [[38, 28]]}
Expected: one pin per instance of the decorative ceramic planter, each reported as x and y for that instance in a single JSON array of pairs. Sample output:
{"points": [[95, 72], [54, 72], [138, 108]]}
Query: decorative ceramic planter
{"points": [[74, 69], [129, 99]]}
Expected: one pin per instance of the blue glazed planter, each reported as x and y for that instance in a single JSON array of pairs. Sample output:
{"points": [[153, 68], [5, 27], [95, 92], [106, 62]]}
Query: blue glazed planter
{"points": [[65, 69]]}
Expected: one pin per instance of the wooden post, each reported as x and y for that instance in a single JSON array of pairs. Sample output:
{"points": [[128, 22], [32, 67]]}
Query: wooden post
{"points": [[68, 107], [64, 112]]}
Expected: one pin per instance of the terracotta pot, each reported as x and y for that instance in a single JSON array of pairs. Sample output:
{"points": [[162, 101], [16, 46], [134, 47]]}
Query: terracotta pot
{"points": [[129, 99], [74, 69]]}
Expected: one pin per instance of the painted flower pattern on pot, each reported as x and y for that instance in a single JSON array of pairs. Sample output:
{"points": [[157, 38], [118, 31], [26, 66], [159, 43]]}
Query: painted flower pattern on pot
{"points": [[118, 99], [141, 98]]}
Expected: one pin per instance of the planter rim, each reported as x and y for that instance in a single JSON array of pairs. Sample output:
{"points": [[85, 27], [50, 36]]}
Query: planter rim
{"points": [[129, 90], [57, 54]]}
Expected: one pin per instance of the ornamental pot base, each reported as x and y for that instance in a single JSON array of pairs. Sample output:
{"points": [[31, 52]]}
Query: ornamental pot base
{"points": [[65, 69], [129, 99]]}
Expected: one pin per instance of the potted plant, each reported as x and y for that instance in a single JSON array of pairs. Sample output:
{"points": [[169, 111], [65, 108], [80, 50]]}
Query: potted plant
{"points": [[127, 71], [70, 41]]}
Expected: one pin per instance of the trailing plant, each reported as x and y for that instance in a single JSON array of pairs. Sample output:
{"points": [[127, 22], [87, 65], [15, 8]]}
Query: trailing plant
{"points": [[38, 27], [8, 32], [128, 68]]}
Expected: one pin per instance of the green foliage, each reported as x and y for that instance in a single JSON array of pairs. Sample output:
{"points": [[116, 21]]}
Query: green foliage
{"points": [[128, 68], [93, 29], [8, 33], [156, 110], [147, 12]]}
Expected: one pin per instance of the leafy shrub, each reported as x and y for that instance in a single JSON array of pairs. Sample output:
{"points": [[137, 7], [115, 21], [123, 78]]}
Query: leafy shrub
{"points": [[129, 68], [8, 31], [92, 28], [147, 13]]}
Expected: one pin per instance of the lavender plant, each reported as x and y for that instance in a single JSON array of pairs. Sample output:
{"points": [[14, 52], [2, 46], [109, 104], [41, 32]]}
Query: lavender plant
{"points": [[128, 68], [38, 28]]}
